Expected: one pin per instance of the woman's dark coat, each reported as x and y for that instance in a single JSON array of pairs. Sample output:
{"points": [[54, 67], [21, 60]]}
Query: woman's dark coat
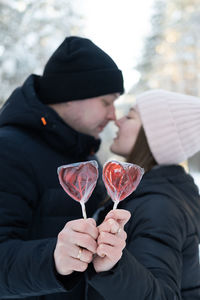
{"points": [[161, 259]]}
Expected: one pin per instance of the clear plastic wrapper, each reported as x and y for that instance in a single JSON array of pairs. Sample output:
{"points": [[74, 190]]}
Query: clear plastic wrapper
{"points": [[79, 180], [121, 179]]}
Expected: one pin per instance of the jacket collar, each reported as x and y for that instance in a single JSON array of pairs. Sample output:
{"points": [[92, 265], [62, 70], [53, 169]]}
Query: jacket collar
{"points": [[24, 110]]}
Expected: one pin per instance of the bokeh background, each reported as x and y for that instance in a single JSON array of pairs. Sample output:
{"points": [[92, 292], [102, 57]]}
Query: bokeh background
{"points": [[155, 43]]}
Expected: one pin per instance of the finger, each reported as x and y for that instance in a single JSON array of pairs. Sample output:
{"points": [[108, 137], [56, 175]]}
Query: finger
{"points": [[77, 253], [109, 225], [78, 265], [111, 252], [69, 237], [82, 254], [84, 241], [122, 234], [122, 216], [79, 239], [111, 239], [66, 264], [85, 226], [107, 238]]}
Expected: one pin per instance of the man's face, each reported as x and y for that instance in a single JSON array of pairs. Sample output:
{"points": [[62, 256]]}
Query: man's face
{"points": [[88, 116]]}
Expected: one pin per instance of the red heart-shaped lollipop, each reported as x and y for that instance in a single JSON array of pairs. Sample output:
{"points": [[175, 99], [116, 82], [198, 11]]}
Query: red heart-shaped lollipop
{"points": [[121, 179], [79, 180]]}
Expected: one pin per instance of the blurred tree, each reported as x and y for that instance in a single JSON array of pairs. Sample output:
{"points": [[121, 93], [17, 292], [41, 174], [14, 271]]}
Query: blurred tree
{"points": [[30, 31], [170, 59], [149, 56], [171, 56]]}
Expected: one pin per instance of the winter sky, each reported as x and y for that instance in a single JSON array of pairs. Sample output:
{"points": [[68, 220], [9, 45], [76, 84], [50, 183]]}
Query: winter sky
{"points": [[119, 27]]}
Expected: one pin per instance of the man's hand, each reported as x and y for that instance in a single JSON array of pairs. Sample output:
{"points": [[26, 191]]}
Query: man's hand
{"points": [[111, 240], [75, 246]]}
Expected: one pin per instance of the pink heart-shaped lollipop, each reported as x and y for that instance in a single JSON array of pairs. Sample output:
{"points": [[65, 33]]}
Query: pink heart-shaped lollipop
{"points": [[79, 179], [121, 179]]}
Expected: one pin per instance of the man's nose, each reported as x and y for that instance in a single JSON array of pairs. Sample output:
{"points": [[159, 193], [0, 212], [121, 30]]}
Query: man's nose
{"points": [[111, 114]]}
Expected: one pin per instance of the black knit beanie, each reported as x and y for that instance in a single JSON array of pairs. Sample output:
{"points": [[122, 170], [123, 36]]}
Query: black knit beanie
{"points": [[77, 70]]}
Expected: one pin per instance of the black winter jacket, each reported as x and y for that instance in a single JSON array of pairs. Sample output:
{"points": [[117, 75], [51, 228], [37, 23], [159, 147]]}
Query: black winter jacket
{"points": [[161, 259], [33, 206]]}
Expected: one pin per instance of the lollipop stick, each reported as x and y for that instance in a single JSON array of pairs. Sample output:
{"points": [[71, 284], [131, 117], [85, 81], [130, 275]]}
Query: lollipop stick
{"points": [[115, 204], [83, 210]]}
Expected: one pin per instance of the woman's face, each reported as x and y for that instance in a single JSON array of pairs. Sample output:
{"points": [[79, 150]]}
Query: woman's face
{"points": [[129, 127]]}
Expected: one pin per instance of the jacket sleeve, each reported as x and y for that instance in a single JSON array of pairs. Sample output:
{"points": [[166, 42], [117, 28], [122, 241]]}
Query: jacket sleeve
{"points": [[26, 266], [151, 264]]}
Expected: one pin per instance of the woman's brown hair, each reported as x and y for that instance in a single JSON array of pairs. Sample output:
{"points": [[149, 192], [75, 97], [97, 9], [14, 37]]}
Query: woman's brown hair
{"points": [[141, 154]]}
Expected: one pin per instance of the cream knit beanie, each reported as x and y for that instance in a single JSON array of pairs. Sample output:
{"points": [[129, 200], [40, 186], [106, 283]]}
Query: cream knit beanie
{"points": [[171, 123]]}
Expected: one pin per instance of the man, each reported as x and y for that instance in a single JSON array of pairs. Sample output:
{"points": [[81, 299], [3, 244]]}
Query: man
{"points": [[53, 119]]}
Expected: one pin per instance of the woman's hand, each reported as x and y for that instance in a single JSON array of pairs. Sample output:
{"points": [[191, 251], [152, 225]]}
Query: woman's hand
{"points": [[111, 240]]}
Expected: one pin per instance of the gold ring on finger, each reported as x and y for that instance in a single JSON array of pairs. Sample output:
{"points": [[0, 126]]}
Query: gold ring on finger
{"points": [[79, 254], [119, 230]]}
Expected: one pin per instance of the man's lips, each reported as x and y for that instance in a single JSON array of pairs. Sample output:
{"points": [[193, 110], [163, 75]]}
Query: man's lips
{"points": [[101, 127]]}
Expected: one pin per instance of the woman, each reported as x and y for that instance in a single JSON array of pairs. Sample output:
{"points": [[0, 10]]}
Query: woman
{"points": [[161, 258]]}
